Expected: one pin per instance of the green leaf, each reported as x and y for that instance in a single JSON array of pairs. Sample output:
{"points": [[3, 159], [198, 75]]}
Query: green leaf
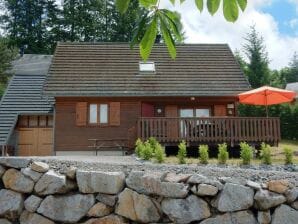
{"points": [[173, 20], [148, 3], [230, 10], [242, 4], [213, 6], [166, 34], [173, 2], [181, 1], [138, 31], [122, 5], [200, 5], [148, 39]]}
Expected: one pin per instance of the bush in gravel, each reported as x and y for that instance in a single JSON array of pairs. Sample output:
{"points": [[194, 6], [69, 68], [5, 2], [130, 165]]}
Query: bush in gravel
{"points": [[159, 153], [289, 153], [146, 152], [204, 154], [138, 147], [182, 152], [246, 153], [266, 154], [223, 154], [153, 143]]}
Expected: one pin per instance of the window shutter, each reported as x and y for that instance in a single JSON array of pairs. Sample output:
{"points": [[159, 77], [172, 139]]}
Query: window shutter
{"points": [[220, 110], [81, 113], [114, 113]]}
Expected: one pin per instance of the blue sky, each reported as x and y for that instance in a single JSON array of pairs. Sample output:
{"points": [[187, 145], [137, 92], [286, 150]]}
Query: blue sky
{"points": [[285, 14]]}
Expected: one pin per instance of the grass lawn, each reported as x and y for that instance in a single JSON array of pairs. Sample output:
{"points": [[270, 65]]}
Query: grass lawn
{"points": [[277, 156]]}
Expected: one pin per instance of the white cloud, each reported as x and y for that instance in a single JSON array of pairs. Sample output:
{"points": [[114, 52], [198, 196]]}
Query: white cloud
{"points": [[293, 23], [203, 28]]}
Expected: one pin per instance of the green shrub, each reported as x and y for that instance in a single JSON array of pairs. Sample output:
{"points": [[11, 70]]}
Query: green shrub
{"points": [[146, 151], [159, 154], [223, 154], [289, 153], [204, 154], [153, 143], [138, 147], [246, 153], [182, 152], [266, 154]]}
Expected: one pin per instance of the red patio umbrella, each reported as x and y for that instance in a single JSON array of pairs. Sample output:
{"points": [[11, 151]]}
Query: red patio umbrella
{"points": [[266, 96]]}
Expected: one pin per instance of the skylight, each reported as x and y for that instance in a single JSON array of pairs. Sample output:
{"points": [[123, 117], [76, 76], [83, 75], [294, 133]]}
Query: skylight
{"points": [[147, 66]]}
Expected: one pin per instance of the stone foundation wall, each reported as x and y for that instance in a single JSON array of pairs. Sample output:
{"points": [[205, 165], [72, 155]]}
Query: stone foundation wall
{"points": [[32, 193]]}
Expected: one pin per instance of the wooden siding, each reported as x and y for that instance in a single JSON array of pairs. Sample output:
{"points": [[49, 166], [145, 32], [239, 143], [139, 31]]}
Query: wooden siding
{"points": [[231, 130], [70, 137]]}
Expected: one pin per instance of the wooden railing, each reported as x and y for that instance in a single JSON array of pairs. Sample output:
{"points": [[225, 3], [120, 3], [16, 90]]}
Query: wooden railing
{"points": [[232, 130]]}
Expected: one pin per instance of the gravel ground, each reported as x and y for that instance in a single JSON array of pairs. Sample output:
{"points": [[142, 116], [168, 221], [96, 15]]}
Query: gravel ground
{"points": [[129, 163]]}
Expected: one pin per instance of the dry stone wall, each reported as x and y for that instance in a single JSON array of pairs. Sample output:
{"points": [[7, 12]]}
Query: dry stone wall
{"points": [[32, 193]]}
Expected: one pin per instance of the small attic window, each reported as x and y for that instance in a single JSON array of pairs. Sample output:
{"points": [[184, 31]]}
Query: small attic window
{"points": [[147, 66]]}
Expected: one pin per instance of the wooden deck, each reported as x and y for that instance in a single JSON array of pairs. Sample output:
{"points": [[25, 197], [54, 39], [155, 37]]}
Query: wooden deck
{"points": [[213, 130]]}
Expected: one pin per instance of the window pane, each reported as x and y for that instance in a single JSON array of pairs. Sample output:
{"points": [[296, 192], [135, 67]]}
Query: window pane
{"points": [[33, 121], [93, 113], [42, 121], [103, 114], [50, 121], [147, 66], [23, 121], [186, 113], [202, 113]]}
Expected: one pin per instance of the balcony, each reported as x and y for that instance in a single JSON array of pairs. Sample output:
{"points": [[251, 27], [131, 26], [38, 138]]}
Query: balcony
{"points": [[213, 130]]}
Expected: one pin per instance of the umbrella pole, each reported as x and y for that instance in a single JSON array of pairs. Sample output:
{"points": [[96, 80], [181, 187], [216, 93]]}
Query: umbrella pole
{"points": [[266, 103]]}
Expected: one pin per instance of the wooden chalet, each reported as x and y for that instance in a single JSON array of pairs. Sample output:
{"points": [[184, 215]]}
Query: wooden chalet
{"points": [[105, 98]]}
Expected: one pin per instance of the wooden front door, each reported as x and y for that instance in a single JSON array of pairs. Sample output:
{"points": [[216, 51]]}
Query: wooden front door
{"points": [[172, 124], [147, 110], [35, 142]]}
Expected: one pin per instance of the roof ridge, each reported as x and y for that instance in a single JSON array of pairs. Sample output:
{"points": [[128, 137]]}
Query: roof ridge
{"points": [[127, 43]]}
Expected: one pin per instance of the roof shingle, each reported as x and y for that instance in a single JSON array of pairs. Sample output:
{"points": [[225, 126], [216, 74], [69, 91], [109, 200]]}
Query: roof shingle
{"points": [[112, 69], [23, 94]]}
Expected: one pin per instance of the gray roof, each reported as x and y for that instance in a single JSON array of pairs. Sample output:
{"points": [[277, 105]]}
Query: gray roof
{"points": [[292, 86], [112, 69], [23, 94]]}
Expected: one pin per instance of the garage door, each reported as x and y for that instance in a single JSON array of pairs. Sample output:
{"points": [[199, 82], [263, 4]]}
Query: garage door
{"points": [[35, 142]]}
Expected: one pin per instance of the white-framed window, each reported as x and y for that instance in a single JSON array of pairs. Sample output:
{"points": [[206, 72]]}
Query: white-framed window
{"points": [[194, 112], [98, 113], [93, 113], [103, 113], [148, 66], [203, 112]]}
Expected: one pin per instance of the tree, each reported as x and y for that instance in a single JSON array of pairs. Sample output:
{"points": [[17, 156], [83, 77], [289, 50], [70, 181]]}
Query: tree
{"points": [[39, 24], [258, 64], [6, 56], [276, 79], [167, 22], [241, 61], [27, 23], [290, 73]]}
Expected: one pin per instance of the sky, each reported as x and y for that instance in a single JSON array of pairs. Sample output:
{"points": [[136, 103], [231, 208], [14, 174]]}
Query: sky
{"points": [[275, 20]]}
